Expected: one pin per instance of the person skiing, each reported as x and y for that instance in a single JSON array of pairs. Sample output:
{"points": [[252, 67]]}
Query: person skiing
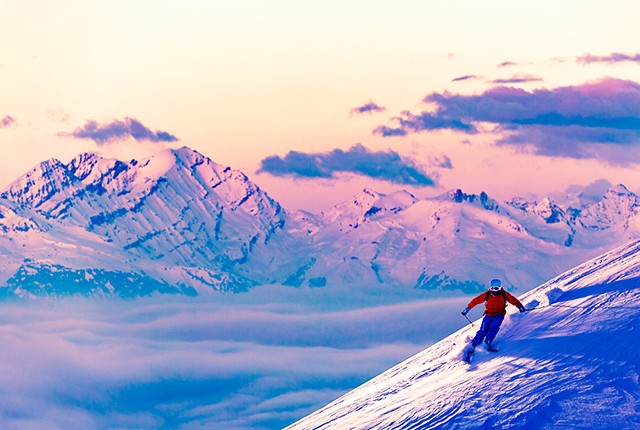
{"points": [[495, 309]]}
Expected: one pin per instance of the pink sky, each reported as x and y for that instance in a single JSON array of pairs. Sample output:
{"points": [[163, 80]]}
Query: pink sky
{"points": [[247, 80]]}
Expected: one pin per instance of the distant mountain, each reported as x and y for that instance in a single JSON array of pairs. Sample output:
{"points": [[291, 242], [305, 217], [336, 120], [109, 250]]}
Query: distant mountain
{"points": [[457, 241], [571, 362], [178, 222], [176, 215]]}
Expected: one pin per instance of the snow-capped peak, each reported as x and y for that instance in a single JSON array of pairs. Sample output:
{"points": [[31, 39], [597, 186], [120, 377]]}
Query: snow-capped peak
{"points": [[39, 184], [396, 201], [547, 209], [618, 190], [176, 207], [354, 209], [157, 164], [617, 207]]}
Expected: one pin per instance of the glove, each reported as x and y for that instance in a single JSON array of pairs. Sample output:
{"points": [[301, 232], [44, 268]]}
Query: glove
{"points": [[465, 311], [521, 309]]}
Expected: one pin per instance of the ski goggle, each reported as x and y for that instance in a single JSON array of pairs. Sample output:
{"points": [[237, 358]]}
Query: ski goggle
{"points": [[495, 288]]}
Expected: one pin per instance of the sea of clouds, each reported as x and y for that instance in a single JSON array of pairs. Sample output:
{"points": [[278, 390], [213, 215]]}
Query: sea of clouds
{"points": [[224, 362]]}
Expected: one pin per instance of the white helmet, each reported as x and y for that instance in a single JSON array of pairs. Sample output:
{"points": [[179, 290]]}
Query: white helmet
{"points": [[496, 285]]}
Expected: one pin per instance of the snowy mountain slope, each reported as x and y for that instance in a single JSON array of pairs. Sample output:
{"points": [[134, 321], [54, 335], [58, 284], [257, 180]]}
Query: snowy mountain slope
{"points": [[180, 219], [39, 258], [177, 205], [453, 241], [571, 362], [176, 214], [429, 244], [612, 219]]}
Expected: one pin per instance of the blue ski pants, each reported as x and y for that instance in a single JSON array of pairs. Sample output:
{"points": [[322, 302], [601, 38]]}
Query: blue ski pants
{"points": [[488, 329]]}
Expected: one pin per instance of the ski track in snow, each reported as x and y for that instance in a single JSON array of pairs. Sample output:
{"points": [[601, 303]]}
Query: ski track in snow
{"points": [[572, 362]]}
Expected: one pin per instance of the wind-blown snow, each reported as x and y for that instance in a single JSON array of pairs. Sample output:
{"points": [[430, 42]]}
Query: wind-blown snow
{"points": [[572, 362]]}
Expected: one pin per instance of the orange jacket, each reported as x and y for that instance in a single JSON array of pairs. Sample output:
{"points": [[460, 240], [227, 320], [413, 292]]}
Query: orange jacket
{"points": [[496, 304]]}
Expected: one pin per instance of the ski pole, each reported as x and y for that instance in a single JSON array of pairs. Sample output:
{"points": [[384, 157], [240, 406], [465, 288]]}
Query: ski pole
{"points": [[468, 320]]}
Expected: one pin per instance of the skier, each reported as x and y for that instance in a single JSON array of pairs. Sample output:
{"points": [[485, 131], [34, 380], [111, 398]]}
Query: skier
{"points": [[495, 309]]}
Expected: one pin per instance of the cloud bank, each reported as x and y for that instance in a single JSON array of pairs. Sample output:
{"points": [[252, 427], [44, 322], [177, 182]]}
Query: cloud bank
{"points": [[615, 57], [118, 130], [571, 121], [95, 364], [382, 165], [369, 107]]}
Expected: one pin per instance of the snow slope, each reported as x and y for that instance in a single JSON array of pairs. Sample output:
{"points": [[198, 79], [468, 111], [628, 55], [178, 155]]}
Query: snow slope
{"points": [[572, 362], [177, 219]]}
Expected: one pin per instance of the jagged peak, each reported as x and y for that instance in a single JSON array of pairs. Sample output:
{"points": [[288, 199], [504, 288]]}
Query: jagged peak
{"points": [[86, 158], [206, 170], [354, 208], [365, 199], [547, 201], [394, 202], [90, 166], [39, 183], [618, 190], [483, 200], [187, 156], [367, 194], [549, 211], [547, 208], [192, 158], [50, 164], [368, 203], [547, 204]]}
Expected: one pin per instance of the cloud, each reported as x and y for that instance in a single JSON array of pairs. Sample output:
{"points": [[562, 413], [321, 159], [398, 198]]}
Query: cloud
{"points": [[444, 162], [382, 165], [518, 79], [369, 107], [515, 79], [590, 194], [160, 363], [506, 64], [565, 121], [386, 131], [466, 78], [615, 57], [119, 130], [7, 121], [410, 123]]}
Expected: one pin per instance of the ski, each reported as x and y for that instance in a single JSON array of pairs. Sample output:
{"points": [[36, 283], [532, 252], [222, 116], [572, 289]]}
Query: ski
{"points": [[490, 347], [467, 353]]}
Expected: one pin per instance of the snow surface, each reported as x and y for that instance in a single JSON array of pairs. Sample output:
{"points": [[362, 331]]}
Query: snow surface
{"points": [[572, 362]]}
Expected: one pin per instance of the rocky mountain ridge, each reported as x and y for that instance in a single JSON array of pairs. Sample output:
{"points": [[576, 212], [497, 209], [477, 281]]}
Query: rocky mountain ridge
{"points": [[179, 222]]}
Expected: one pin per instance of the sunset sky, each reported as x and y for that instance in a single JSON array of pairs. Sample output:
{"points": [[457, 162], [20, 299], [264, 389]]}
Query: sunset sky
{"points": [[316, 100]]}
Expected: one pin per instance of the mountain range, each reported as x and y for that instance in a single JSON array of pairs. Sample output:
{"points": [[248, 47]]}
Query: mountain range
{"points": [[177, 222], [571, 362]]}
